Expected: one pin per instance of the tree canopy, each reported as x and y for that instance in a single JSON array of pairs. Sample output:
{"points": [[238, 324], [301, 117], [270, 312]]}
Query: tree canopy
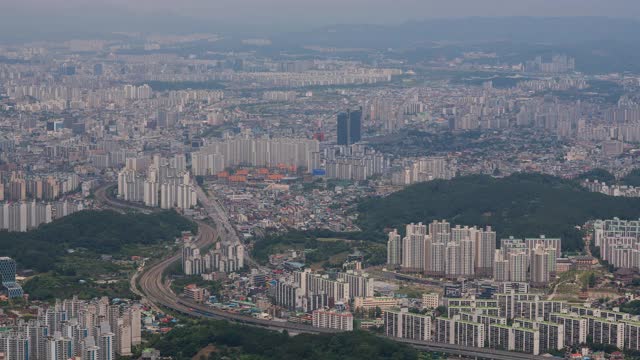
{"points": [[601, 175], [631, 307], [632, 178], [233, 341], [97, 231]]}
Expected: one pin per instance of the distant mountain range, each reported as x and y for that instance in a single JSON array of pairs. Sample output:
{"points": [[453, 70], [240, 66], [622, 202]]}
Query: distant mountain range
{"points": [[599, 44], [552, 30], [475, 29]]}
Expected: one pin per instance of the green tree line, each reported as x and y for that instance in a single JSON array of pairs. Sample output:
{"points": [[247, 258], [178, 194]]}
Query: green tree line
{"points": [[102, 232], [233, 341], [602, 175]]}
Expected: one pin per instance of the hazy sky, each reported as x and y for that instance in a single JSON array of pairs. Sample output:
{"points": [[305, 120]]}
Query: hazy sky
{"points": [[320, 12]]}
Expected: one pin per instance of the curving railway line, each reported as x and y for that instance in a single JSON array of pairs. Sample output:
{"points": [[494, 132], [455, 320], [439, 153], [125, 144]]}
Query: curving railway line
{"points": [[158, 292], [149, 283]]}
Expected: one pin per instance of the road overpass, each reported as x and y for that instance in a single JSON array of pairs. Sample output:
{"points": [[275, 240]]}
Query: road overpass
{"points": [[157, 291], [102, 194]]}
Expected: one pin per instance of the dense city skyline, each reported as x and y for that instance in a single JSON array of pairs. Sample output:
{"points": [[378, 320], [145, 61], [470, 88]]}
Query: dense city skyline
{"points": [[409, 179]]}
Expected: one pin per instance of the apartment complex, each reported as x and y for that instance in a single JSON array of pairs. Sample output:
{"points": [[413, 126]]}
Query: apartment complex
{"points": [[260, 152], [537, 325], [531, 260], [308, 291], [424, 169], [23, 216], [438, 249], [166, 184], [619, 242], [87, 330], [222, 258]]}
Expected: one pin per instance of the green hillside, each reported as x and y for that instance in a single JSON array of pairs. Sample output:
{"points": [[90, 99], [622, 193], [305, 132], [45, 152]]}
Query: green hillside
{"points": [[232, 341], [601, 175], [523, 205], [102, 232], [632, 178]]}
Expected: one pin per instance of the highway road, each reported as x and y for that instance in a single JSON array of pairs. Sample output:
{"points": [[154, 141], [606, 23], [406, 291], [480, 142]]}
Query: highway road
{"points": [[102, 194], [148, 282], [217, 213], [158, 292]]}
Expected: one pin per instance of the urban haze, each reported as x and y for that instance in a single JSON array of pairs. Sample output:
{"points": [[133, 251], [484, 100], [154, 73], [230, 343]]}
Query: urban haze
{"points": [[319, 180]]}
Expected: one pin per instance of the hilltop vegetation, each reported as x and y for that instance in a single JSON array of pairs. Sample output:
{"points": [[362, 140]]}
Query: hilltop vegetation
{"points": [[523, 205], [298, 240], [320, 246], [600, 175], [632, 178], [231, 341], [100, 232]]}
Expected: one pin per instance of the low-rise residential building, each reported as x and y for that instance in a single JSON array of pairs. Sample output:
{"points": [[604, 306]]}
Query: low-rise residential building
{"points": [[367, 303], [430, 301]]}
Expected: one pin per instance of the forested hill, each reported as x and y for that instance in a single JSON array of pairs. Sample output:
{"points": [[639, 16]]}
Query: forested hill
{"points": [[522, 205], [103, 232], [232, 341]]}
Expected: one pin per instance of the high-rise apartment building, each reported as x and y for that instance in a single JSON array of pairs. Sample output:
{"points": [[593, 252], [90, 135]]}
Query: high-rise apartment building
{"points": [[631, 335], [445, 251], [164, 186], [575, 327], [360, 284], [15, 346], [551, 335], [518, 265], [606, 331], [467, 333], [525, 340], [394, 249], [73, 329], [59, 348], [453, 260], [413, 252], [457, 331], [223, 258], [500, 266], [554, 243], [541, 262], [406, 325], [256, 151], [485, 244]]}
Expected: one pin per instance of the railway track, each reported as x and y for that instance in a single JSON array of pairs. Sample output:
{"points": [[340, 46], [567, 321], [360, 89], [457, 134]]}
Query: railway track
{"points": [[150, 284]]}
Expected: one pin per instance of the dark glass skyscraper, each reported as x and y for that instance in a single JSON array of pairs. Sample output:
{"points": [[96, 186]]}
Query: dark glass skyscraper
{"points": [[8, 278], [349, 127], [97, 69]]}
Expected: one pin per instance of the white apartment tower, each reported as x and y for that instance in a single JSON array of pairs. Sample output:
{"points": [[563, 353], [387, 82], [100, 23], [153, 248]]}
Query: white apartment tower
{"points": [[394, 249]]}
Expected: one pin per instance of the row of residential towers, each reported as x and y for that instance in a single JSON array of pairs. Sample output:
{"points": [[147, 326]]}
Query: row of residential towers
{"points": [[440, 250]]}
